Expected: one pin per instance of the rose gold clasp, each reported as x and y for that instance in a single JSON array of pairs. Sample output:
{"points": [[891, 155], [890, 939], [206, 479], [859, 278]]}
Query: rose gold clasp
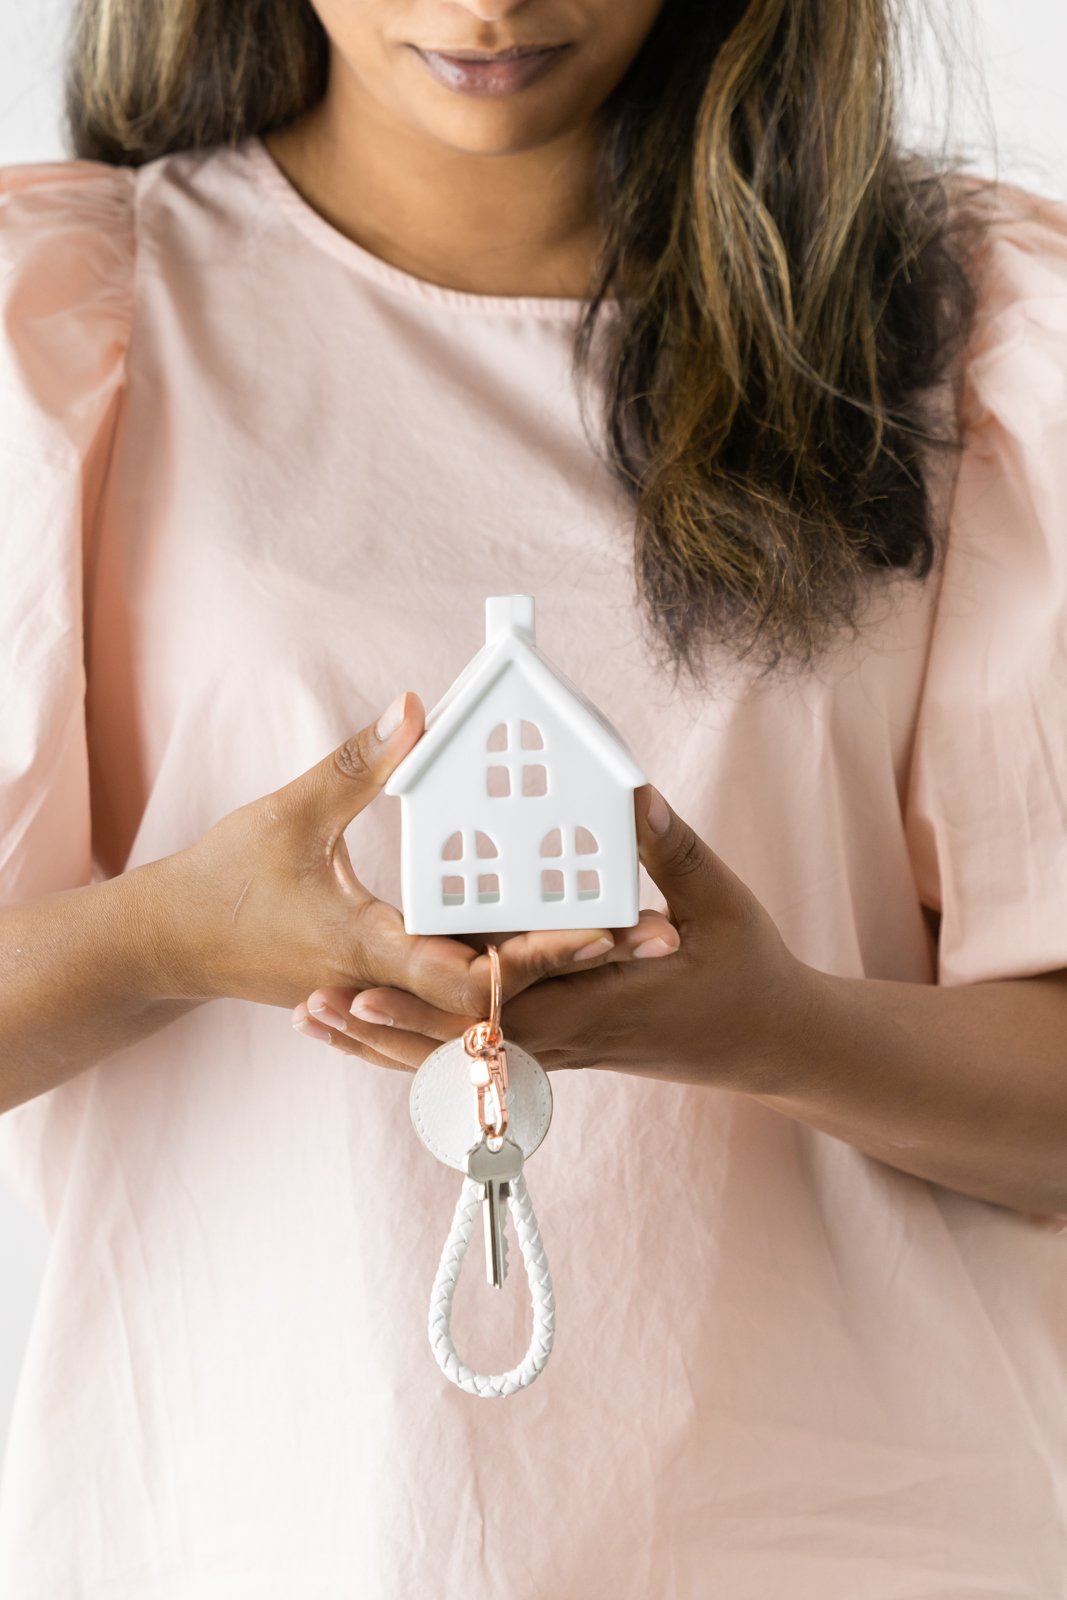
{"points": [[484, 1043]]}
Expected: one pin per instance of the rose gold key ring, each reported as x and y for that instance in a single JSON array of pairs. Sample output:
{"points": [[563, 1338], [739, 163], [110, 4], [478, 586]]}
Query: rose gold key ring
{"points": [[484, 1043]]}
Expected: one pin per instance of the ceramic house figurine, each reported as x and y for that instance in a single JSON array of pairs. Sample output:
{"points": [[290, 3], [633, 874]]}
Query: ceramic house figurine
{"points": [[517, 803]]}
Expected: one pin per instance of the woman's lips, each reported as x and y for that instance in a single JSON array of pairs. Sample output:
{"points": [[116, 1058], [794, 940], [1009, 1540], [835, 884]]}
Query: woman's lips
{"points": [[506, 72]]}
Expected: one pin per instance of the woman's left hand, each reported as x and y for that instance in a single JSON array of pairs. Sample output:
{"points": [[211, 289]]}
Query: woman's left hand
{"points": [[965, 1086], [724, 1006]]}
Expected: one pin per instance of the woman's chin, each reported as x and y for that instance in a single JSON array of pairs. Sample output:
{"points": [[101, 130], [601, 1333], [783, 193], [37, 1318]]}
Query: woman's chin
{"points": [[488, 127]]}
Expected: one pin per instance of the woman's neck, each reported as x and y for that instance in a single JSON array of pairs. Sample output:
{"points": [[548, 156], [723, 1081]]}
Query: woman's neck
{"points": [[516, 224]]}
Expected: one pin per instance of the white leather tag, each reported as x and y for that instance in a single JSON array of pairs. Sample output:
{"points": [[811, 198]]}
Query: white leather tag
{"points": [[443, 1108]]}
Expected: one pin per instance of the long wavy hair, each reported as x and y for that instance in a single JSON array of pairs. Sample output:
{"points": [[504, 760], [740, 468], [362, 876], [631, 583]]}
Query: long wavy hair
{"points": [[781, 287]]}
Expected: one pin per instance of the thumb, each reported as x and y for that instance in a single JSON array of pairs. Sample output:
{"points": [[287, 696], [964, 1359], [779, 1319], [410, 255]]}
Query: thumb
{"points": [[343, 785], [676, 859]]}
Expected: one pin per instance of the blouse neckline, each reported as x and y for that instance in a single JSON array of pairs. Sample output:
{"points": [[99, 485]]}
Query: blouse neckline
{"points": [[328, 238]]}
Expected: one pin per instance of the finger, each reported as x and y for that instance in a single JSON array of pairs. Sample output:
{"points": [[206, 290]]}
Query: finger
{"points": [[330, 1008], [340, 787], [381, 1046], [343, 1010], [393, 1047], [654, 936], [308, 1027], [395, 1008], [331, 1011], [651, 936], [677, 860], [318, 1032]]}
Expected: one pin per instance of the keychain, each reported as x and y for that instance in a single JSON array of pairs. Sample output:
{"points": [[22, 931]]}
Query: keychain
{"points": [[510, 1115]]}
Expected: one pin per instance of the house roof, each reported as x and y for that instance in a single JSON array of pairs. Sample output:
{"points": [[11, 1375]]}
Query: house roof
{"points": [[510, 641]]}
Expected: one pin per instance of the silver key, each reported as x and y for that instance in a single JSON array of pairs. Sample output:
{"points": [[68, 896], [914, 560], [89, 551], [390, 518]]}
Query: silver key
{"points": [[495, 1170]]}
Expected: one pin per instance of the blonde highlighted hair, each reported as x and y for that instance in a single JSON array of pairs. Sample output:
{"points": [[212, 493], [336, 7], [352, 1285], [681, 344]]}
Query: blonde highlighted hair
{"points": [[148, 77]]}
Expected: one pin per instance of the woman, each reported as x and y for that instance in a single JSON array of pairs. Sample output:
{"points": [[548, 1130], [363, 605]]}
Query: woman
{"points": [[290, 387]]}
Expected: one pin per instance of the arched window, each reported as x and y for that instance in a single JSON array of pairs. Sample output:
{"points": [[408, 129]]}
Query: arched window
{"points": [[579, 880], [500, 781], [586, 844], [582, 881], [453, 887]]}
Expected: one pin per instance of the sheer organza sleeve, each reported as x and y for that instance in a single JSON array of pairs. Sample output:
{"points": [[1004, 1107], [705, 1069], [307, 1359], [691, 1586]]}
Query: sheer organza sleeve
{"points": [[988, 807], [66, 287]]}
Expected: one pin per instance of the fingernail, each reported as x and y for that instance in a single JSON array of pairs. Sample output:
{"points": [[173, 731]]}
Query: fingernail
{"points": [[390, 720], [327, 1015], [659, 814], [654, 947], [312, 1030], [597, 948], [367, 1013]]}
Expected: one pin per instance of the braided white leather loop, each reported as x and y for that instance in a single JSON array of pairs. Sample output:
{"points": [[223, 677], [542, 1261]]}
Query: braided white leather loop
{"points": [[544, 1305]]}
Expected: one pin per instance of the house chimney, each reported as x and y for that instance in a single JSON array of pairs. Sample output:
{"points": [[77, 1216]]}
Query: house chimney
{"points": [[509, 613]]}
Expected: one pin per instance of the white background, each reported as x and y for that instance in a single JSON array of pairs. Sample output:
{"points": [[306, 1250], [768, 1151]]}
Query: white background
{"points": [[1009, 114]]}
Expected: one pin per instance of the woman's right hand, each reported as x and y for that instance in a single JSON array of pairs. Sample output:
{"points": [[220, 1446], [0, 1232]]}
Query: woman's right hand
{"points": [[267, 906]]}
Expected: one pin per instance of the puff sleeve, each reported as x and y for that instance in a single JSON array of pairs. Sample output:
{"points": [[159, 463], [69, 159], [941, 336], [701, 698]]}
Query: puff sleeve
{"points": [[66, 285], [987, 819]]}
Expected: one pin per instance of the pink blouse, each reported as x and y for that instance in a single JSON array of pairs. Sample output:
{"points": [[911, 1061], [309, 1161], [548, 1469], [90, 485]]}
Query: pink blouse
{"points": [[255, 482]]}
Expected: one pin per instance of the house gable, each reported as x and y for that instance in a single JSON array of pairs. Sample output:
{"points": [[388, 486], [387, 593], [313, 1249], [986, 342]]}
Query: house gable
{"points": [[459, 704]]}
